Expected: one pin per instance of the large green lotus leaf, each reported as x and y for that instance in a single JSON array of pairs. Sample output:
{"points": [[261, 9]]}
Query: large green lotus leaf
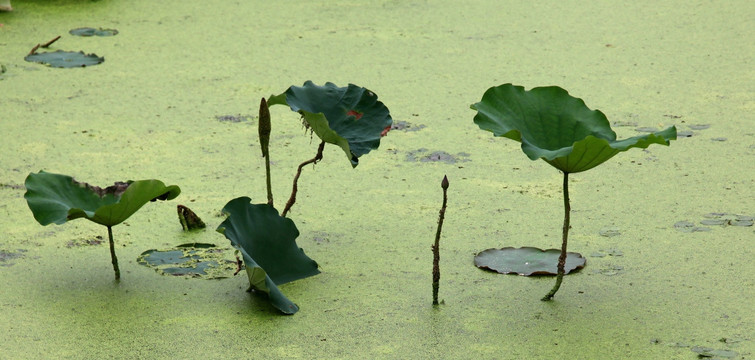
{"points": [[267, 242], [56, 198], [350, 117], [556, 127], [527, 261], [65, 59]]}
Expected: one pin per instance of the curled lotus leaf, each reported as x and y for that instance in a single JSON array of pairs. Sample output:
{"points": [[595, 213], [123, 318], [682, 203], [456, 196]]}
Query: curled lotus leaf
{"points": [[65, 59], [267, 242], [556, 127], [56, 198], [350, 117], [527, 261]]}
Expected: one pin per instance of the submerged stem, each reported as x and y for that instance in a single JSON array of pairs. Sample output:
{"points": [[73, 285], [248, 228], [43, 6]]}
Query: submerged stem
{"points": [[436, 247], [112, 254], [294, 189], [562, 257]]}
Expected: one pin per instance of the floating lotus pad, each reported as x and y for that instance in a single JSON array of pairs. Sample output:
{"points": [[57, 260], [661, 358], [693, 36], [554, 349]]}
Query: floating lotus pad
{"points": [[350, 117], [556, 127], [87, 31], [65, 59], [267, 242], [196, 260], [527, 261]]}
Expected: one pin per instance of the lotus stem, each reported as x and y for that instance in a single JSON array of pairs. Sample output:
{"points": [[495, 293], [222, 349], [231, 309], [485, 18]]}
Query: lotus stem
{"points": [[294, 189], [562, 257], [436, 247], [264, 130], [47, 44], [112, 254]]}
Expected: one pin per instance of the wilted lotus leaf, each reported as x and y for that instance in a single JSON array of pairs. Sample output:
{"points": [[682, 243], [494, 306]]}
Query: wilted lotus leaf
{"points": [[65, 59], [527, 261], [556, 127], [87, 31], [350, 117], [267, 241]]}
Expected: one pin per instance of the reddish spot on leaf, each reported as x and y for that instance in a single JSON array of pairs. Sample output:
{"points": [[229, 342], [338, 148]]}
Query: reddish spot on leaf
{"points": [[385, 131], [354, 113]]}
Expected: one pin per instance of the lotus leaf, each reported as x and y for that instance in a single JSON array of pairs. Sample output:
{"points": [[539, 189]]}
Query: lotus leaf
{"points": [[267, 242], [350, 117], [55, 198], [65, 59], [556, 127], [527, 261]]}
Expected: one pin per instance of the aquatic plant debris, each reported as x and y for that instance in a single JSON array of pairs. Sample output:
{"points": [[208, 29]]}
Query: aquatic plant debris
{"points": [[188, 219], [425, 155], [406, 126], [233, 118], [527, 261], [65, 59], [88, 31], [6, 256]]}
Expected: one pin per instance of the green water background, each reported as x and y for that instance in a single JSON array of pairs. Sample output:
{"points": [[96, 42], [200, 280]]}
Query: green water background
{"points": [[150, 111]]}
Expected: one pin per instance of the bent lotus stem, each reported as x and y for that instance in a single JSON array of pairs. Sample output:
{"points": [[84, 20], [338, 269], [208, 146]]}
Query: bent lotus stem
{"points": [[562, 257], [294, 189], [436, 246], [112, 254]]}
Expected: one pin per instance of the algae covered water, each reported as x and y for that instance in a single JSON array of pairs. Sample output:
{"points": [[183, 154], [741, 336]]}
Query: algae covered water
{"points": [[175, 99]]}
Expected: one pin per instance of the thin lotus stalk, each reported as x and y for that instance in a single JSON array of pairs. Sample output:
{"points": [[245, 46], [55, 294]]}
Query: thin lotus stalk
{"points": [[112, 254], [264, 130], [562, 258], [294, 189], [436, 246]]}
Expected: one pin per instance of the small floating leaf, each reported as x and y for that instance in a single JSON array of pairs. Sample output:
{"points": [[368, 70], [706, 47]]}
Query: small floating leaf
{"points": [[87, 31], [706, 352], [527, 261], [65, 59], [196, 260]]}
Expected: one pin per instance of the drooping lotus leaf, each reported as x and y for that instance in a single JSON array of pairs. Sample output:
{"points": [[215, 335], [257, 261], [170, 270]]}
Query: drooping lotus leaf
{"points": [[65, 59], [350, 117], [56, 198], [527, 261], [87, 31], [556, 127], [267, 242]]}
